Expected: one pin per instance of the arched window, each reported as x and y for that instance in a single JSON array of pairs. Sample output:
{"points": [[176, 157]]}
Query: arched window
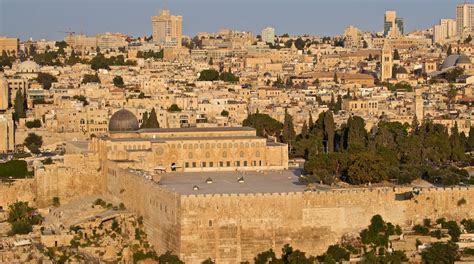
{"points": [[257, 154], [241, 154], [224, 154]]}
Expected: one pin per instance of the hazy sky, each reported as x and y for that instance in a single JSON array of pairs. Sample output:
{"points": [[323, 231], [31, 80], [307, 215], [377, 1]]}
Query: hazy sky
{"points": [[44, 18]]}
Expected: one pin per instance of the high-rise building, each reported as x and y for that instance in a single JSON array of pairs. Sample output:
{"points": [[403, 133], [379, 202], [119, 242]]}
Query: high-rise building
{"points": [[268, 35], [445, 31], [167, 29], [387, 62], [393, 26], [3, 93], [465, 19]]}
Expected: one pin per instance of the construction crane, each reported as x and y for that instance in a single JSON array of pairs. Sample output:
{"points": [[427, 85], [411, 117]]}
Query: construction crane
{"points": [[70, 33]]}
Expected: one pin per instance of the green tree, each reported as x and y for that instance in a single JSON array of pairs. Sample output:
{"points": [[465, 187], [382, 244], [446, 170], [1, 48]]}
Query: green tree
{"points": [[228, 77], [46, 80], [440, 252], [367, 167], [118, 81], [152, 121], [19, 106], [208, 75], [13, 168], [264, 124], [33, 142], [225, 113], [288, 133], [21, 218], [91, 78], [329, 131], [144, 119], [449, 51], [169, 258], [396, 55], [174, 108], [56, 202]]}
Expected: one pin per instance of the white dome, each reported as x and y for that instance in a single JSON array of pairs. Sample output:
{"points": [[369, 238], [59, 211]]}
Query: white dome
{"points": [[28, 66]]}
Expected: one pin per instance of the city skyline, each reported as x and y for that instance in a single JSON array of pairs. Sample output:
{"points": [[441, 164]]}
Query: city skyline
{"points": [[49, 17]]}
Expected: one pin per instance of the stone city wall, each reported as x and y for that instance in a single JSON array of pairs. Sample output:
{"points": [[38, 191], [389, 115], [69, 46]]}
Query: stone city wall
{"points": [[20, 190], [78, 176], [233, 228], [158, 206]]}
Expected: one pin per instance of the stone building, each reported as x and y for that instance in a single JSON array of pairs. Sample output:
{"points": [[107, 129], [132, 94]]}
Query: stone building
{"points": [[9, 45], [188, 149]]}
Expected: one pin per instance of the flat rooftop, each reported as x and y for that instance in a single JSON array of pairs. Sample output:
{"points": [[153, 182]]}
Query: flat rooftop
{"points": [[194, 129], [227, 182]]}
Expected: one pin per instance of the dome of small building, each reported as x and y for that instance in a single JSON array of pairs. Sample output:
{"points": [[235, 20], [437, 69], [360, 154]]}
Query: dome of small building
{"points": [[401, 70], [454, 60], [463, 59], [123, 120], [28, 67]]}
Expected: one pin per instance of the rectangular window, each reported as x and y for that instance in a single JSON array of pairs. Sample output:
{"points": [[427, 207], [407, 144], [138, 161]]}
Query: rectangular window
{"points": [[194, 164], [237, 163], [221, 164], [211, 164], [186, 164], [204, 164], [245, 163], [228, 164]]}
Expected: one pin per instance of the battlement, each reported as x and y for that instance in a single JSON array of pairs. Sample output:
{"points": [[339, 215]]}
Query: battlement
{"points": [[320, 193]]}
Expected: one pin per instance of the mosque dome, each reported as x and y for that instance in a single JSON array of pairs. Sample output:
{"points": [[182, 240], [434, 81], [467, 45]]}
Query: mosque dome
{"points": [[123, 120], [28, 67]]}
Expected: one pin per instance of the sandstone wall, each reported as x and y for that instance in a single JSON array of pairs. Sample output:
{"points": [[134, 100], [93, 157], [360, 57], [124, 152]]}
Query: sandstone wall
{"points": [[234, 228], [158, 206], [21, 190], [78, 176]]}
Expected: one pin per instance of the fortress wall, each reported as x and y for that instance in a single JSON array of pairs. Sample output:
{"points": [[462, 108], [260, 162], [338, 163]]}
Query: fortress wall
{"points": [[234, 228], [78, 176], [160, 208], [20, 190]]}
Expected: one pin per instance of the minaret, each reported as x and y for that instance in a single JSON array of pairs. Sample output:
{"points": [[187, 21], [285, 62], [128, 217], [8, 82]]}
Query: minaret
{"points": [[387, 62], [418, 104]]}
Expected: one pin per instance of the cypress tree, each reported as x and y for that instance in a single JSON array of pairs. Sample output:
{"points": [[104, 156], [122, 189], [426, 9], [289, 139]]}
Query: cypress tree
{"points": [[19, 106], [329, 131], [152, 121], [289, 133], [311, 122], [304, 130], [144, 119]]}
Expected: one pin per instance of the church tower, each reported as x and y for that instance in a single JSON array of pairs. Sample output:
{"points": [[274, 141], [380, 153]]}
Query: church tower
{"points": [[387, 63]]}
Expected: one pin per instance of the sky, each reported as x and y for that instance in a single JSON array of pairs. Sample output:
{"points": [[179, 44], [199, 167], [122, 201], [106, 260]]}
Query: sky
{"points": [[45, 19]]}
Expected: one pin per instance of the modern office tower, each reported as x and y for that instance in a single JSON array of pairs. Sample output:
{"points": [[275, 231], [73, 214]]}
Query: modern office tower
{"points": [[167, 29], [387, 62], [465, 19], [268, 35], [393, 26]]}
